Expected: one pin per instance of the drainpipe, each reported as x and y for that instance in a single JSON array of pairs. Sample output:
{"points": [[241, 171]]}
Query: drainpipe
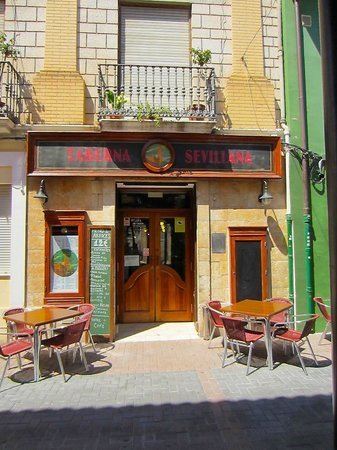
{"points": [[305, 166], [286, 134], [286, 140]]}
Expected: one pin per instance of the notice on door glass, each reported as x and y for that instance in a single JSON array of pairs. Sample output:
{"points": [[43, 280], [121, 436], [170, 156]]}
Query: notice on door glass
{"points": [[179, 224], [131, 260]]}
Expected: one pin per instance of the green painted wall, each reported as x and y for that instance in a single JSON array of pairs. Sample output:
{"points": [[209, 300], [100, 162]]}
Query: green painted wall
{"points": [[314, 105]]}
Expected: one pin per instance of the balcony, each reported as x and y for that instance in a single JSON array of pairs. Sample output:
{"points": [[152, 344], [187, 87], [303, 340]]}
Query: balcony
{"points": [[157, 93], [10, 98]]}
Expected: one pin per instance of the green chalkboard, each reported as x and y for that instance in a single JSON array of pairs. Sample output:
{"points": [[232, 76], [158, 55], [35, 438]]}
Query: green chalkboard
{"points": [[100, 279]]}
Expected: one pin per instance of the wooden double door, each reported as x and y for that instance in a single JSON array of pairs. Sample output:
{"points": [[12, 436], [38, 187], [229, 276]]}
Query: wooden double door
{"points": [[155, 266]]}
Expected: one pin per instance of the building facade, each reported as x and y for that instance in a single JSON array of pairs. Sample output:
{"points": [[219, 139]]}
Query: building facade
{"points": [[150, 160], [12, 180], [307, 202]]}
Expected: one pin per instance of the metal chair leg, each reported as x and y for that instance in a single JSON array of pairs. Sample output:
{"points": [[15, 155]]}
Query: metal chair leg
{"points": [[18, 357], [249, 357], [300, 358], [75, 353], [58, 354], [224, 353], [312, 352], [211, 337], [4, 371], [324, 333], [84, 359], [92, 341]]}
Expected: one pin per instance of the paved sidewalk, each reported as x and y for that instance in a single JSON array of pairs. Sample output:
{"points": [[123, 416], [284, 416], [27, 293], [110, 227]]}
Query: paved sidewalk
{"points": [[163, 394]]}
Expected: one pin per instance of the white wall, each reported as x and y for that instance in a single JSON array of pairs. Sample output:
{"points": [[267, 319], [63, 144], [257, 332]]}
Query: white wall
{"points": [[17, 162]]}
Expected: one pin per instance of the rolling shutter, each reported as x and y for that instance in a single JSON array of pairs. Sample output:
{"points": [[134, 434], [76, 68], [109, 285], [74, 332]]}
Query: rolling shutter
{"points": [[155, 36], [5, 228]]}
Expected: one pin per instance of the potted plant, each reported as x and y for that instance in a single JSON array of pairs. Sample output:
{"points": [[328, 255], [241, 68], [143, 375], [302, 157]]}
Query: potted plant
{"points": [[201, 58], [7, 50], [117, 102], [156, 113]]}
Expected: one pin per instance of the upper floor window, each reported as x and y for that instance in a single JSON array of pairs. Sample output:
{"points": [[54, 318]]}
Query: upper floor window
{"points": [[155, 36]]}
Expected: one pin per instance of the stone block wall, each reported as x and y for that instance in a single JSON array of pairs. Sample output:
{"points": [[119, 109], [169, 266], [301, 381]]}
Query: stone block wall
{"points": [[225, 203], [96, 197], [97, 42], [219, 205]]}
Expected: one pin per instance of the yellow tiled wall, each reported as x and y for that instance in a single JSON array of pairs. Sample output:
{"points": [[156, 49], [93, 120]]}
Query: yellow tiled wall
{"points": [[249, 95], [59, 88]]}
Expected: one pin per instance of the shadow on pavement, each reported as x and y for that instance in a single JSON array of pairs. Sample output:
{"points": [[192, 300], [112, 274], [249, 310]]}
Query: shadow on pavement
{"points": [[298, 422]]}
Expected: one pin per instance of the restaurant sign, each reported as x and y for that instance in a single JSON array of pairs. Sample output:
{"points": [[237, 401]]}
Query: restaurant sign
{"points": [[212, 155], [193, 156]]}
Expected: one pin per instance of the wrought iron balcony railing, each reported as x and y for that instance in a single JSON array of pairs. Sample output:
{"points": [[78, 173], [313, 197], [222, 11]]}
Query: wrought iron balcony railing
{"points": [[10, 97], [156, 92]]}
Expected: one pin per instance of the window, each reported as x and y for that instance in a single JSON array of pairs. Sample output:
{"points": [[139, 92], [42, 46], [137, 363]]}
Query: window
{"points": [[64, 247], [152, 40], [155, 36], [248, 260], [5, 228]]}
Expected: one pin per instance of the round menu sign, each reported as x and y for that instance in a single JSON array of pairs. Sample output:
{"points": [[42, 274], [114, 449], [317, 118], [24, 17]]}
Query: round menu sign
{"points": [[158, 155], [64, 262]]}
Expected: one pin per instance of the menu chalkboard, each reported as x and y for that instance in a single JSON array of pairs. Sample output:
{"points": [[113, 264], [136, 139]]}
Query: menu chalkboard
{"points": [[100, 278]]}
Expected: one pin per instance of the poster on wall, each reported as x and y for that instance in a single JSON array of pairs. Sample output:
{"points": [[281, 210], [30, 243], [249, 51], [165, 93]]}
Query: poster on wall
{"points": [[64, 264]]}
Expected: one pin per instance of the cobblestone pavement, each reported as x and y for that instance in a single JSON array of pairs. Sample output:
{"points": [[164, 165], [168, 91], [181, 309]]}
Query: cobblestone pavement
{"points": [[169, 394]]}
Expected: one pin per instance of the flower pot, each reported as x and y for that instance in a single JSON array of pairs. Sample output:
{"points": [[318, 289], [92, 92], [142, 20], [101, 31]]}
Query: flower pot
{"points": [[112, 116], [197, 109]]}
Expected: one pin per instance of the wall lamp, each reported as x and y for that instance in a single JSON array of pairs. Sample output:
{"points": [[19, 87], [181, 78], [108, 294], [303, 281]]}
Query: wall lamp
{"points": [[265, 198], [42, 194]]}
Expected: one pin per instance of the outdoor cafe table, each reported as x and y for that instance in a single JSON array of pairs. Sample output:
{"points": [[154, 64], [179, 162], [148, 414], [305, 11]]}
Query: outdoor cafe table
{"points": [[37, 318], [259, 309]]}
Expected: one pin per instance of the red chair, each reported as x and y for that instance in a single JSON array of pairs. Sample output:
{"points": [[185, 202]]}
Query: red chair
{"points": [[17, 328], [283, 316], [237, 334], [323, 309], [215, 316], [296, 337], [87, 309], [14, 347], [70, 336]]}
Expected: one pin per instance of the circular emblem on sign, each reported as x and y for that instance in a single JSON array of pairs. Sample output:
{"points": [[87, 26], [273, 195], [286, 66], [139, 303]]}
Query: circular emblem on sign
{"points": [[64, 262], [158, 156]]}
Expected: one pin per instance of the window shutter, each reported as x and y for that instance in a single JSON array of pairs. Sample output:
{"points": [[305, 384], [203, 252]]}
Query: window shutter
{"points": [[5, 228], [155, 36]]}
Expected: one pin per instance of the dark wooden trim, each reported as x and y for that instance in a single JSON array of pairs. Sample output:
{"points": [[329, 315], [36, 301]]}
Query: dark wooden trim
{"points": [[65, 218], [259, 233]]}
